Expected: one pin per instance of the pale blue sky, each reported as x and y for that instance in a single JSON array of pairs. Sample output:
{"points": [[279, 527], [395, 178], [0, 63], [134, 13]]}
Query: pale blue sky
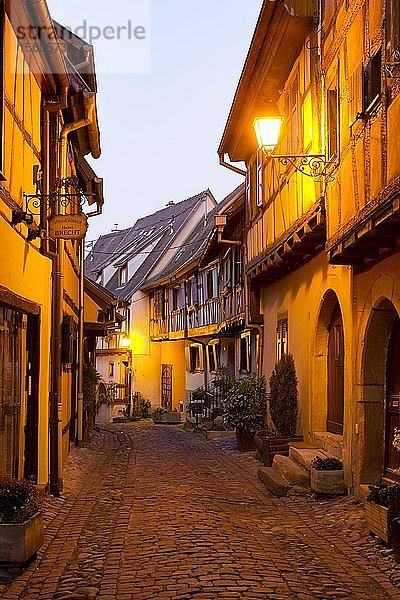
{"points": [[161, 129]]}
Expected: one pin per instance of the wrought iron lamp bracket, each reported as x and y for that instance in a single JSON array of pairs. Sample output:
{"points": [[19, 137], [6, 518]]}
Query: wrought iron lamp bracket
{"points": [[312, 165], [65, 192]]}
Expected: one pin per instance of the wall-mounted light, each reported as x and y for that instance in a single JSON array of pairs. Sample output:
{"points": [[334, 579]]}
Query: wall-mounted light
{"points": [[20, 216], [267, 130]]}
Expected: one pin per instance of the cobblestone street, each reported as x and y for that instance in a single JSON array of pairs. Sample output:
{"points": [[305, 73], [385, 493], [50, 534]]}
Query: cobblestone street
{"points": [[157, 513]]}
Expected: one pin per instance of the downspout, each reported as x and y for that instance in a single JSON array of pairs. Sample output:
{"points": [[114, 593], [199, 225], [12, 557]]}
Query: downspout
{"points": [[223, 163], [56, 319], [89, 99]]}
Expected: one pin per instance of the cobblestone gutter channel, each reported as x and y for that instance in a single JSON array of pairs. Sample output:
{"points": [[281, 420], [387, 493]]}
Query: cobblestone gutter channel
{"points": [[156, 513]]}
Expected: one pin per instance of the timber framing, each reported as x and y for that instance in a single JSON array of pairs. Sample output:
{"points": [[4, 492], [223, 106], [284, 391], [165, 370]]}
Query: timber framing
{"points": [[304, 240], [371, 239]]}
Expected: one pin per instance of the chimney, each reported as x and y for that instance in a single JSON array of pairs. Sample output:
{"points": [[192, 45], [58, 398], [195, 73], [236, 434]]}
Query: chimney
{"points": [[170, 203]]}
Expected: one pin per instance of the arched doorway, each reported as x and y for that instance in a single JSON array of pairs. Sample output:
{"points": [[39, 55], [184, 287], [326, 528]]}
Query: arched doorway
{"points": [[380, 392], [392, 408], [328, 400], [335, 410]]}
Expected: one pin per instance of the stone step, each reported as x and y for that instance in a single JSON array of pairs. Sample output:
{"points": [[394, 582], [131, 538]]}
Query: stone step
{"points": [[290, 470], [304, 456], [274, 481], [331, 443]]}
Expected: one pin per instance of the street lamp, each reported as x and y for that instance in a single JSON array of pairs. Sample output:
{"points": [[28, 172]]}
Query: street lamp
{"points": [[267, 130]]}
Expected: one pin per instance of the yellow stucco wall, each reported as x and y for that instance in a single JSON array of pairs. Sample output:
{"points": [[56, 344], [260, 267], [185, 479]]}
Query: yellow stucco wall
{"points": [[301, 295], [27, 273]]}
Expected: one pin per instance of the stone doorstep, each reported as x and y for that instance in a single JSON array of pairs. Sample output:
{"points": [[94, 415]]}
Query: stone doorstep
{"points": [[303, 456], [290, 470], [331, 443], [274, 481]]}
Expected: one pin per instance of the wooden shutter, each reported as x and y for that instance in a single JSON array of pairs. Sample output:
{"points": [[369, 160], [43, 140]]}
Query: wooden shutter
{"points": [[195, 292], [355, 95]]}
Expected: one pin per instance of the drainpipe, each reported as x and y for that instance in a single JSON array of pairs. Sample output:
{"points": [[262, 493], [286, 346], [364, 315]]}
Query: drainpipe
{"points": [[57, 286], [89, 99], [223, 163]]}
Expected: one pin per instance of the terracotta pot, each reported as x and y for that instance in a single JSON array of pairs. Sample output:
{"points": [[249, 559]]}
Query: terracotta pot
{"points": [[19, 543], [268, 446], [245, 439]]}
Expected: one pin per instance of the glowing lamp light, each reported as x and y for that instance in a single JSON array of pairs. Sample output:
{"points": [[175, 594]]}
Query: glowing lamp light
{"points": [[125, 342], [267, 131]]}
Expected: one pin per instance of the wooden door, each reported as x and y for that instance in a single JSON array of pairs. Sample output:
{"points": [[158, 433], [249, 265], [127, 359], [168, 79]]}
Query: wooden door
{"points": [[166, 387], [392, 416], [32, 394], [335, 373]]}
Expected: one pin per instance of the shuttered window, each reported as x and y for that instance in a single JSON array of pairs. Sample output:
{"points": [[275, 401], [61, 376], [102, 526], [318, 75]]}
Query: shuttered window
{"points": [[333, 123], [281, 338], [355, 95]]}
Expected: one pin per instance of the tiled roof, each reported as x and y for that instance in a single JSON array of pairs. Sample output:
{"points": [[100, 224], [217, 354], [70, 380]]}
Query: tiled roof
{"points": [[118, 247], [195, 244]]}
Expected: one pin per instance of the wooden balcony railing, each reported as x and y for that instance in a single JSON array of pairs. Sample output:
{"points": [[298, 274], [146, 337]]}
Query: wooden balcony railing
{"points": [[232, 304], [177, 320], [159, 328]]}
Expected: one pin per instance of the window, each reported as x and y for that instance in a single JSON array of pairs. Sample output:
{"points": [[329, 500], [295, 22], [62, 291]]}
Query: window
{"points": [[259, 178], [372, 83], [196, 362], [123, 275], [333, 123], [237, 266], [292, 112], [159, 304], [212, 283], [392, 30], [213, 356], [245, 349], [175, 298], [99, 278], [281, 337], [111, 369]]}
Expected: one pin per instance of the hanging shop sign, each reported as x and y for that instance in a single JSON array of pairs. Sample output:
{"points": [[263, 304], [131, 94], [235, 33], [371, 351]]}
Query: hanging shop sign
{"points": [[68, 227]]}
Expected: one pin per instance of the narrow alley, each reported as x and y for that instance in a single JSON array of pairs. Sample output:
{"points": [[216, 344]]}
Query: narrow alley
{"points": [[154, 513]]}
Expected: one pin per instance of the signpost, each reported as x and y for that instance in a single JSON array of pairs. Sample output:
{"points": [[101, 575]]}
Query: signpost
{"points": [[68, 227]]}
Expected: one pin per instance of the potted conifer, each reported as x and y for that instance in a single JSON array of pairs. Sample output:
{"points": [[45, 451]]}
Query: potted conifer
{"points": [[283, 409]]}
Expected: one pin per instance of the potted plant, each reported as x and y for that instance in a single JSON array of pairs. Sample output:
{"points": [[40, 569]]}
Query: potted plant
{"points": [[163, 415], [21, 522], [245, 409], [327, 476], [377, 512], [283, 410]]}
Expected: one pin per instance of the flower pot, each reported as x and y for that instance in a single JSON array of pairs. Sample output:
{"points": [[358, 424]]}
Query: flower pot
{"points": [[244, 439], [20, 542], [328, 482], [171, 418], [379, 520]]}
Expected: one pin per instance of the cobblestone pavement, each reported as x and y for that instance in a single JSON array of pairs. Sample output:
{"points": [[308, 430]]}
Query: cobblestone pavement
{"points": [[155, 513]]}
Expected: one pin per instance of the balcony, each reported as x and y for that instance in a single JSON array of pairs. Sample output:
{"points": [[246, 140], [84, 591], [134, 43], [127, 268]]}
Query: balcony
{"points": [[159, 329], [177, 323], [232, 307], [204, 319]]}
